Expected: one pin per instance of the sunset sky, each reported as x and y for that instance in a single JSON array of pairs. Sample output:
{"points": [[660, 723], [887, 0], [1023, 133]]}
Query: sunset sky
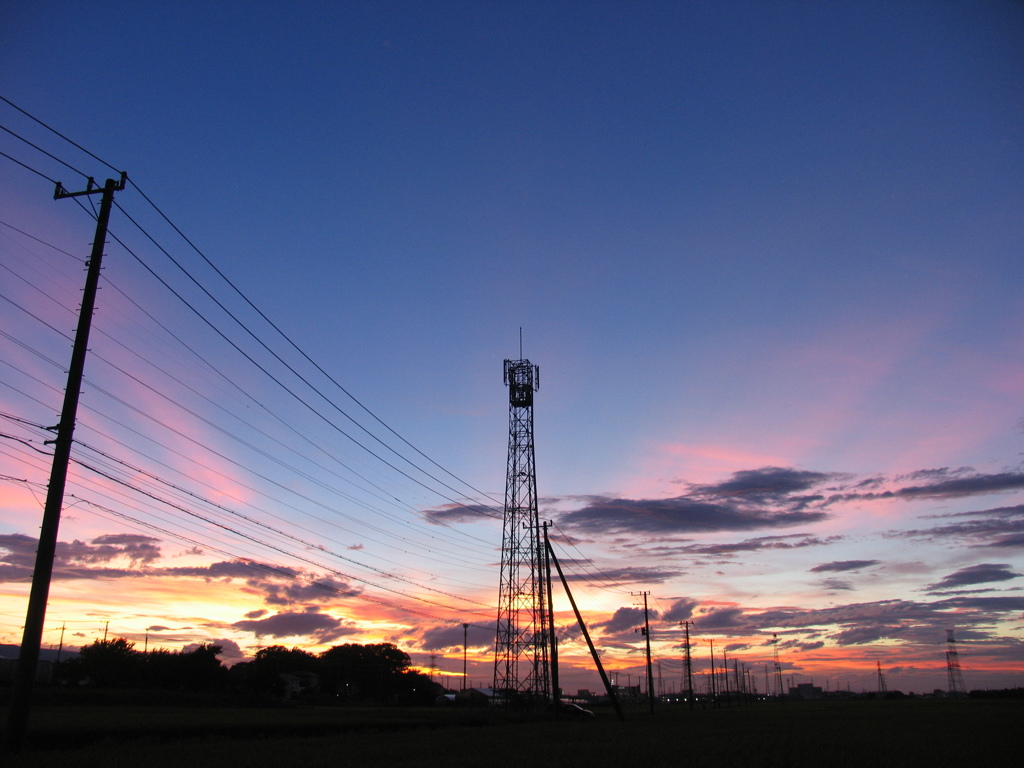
{"points": [[768, 257]]}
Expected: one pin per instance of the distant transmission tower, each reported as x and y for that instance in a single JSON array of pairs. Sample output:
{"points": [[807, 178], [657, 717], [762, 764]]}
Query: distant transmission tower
{"points": [[521, 671], [956, 678], [778, 666], [882, 687]]}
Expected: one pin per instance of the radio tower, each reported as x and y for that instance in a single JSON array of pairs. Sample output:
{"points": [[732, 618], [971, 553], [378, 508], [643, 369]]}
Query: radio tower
{"points": [[883, 689], [956, 678], [521, 672]]}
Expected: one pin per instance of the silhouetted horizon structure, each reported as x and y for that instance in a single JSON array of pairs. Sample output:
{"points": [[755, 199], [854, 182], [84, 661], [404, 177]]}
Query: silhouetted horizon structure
{"points": [[953, 672], [521, 648]]}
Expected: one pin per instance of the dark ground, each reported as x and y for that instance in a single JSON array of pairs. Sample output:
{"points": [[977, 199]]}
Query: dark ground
{"points": [[913, 732]]}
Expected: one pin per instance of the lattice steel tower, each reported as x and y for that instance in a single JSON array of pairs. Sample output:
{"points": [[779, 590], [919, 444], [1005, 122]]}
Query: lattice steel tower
{"points": [[956, 677], [521, 669]]}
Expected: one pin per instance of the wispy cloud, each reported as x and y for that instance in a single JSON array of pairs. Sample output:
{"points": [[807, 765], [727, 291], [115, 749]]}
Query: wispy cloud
{"points": [[767, 484], [761, 543], [844, 565], [639, 574], [983, 573], [1002, 527], [940, 483], [837, 585], [450, 636], [461, 513], [77, 559]]}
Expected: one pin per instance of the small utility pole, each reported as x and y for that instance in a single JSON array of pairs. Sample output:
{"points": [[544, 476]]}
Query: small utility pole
{"points": [[556, 691], [28, 657], [465, 639], [689, 665], [714, 693], [725, 691], [647, 637]]}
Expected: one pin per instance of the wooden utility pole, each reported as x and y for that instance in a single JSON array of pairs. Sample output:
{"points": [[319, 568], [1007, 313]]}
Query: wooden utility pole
{"points": [[465, 639], [28, 657], [689, 666], [647, 637], [556, 691], [714, 692]]}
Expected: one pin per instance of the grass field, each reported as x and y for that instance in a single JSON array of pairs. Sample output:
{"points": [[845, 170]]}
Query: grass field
{"points": [[855, 733]]}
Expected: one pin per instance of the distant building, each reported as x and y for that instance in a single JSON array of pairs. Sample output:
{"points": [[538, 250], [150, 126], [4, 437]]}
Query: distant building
{"points": [[299, 683], [476, 697], [806, 692]]}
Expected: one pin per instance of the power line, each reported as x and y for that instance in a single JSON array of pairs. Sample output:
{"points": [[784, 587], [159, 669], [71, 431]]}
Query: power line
{"points": [[306, 356], [28, 168], [41, 242], [280, 383], [61, 135], [414, 465], [43, 151]]}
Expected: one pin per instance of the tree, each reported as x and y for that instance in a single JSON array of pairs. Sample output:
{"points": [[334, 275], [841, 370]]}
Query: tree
{"points": [[263, 674], [107, 664], [353, 671], [200, 669]]}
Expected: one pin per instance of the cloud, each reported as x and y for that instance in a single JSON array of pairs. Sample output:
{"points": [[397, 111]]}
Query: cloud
{"points": [[1002, 527], [836, 585], [722, 618], [770, 497], [1013, 541], [966, 486], [766, 483], [321, 627], [230, 651], [946, 484], [293, 592], [678, 515], [137, 549], [626, 575], [811, 646], [991, 606], [844, 565], [868, 634], [229, 569], [449, 636], [624, 619], [77, 559], [680, 610], [859, 623], [982, 573], [461, 513], [790, 541]]}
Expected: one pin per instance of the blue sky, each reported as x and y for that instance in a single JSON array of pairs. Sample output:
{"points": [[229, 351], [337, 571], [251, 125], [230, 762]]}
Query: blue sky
{"points": [[767, 257]]}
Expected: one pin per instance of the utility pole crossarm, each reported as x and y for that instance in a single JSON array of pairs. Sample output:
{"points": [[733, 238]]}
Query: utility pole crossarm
{"points": [[91, 188]]}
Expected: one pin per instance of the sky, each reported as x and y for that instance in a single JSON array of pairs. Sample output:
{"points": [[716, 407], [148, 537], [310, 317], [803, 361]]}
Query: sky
{"points": [[767, 257]]}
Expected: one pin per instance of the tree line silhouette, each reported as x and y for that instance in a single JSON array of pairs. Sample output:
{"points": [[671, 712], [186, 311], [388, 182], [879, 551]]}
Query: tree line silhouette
{"points": [[351, 673]]}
